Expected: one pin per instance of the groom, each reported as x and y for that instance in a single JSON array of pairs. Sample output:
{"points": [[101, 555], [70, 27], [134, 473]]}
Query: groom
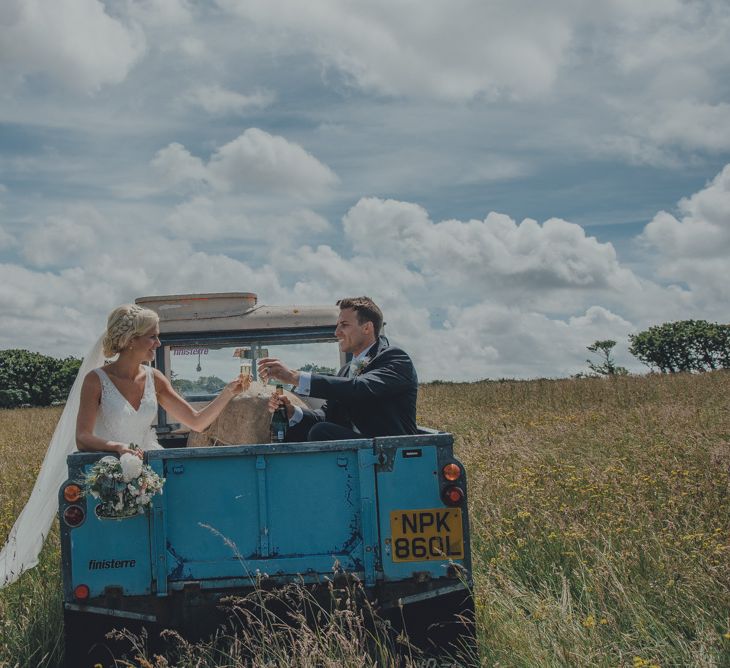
{"points": [[373, 395]]}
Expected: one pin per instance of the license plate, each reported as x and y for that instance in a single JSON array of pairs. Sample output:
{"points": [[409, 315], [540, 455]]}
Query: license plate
{"points": [[428, 534]]}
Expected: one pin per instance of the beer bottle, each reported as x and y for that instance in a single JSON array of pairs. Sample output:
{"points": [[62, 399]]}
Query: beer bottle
{"points": [[279, 420]]}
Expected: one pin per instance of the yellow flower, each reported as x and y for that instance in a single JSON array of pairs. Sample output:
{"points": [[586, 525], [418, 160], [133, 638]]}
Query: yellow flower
{"points": [[589, 622]]}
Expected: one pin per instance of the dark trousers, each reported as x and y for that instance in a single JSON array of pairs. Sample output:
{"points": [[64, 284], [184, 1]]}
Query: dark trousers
{"points": [[329, 431]]}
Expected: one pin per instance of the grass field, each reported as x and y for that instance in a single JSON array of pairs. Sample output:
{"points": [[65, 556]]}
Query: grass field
{"points": [[599, 510]]}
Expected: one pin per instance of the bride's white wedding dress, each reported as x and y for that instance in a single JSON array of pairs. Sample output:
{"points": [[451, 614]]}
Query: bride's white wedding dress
{"points": [[116, 420]]}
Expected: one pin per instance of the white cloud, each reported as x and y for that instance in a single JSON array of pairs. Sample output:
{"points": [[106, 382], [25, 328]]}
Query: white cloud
{"points": [[205, 219], [454, 51], [493, 340], [687, 123], [695, 247], [448, 289], [219, 101], [74, 42], [494, 252], [257, 160], [335, 273], [192, 47], [437, 104], [51, 244], [62, 311], [254, 162], [156, 13], [176, 166], [704, 228], [669, 33], [496, 168]]}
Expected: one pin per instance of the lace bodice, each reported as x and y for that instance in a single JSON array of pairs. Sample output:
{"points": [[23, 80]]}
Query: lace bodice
{"points": [[117, 420]]}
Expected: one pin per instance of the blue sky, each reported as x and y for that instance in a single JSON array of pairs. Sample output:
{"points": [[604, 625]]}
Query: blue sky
{"points": [[509, 180]]}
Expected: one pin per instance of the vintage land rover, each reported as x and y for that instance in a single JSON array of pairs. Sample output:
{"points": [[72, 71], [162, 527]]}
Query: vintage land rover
{"points": [[390, 512]]}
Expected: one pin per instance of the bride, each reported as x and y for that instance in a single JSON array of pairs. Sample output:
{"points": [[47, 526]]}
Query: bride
{"points": [[119, 401], [109, 408]]}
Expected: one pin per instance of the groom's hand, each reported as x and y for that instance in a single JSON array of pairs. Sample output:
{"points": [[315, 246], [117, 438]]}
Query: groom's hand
{"points": [[270, 367], [276, 400]]}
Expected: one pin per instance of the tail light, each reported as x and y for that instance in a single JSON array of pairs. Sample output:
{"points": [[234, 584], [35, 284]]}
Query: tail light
{"points": [[74, 515], [452, 495], [81, 592], [451, 472], [72, 493]]}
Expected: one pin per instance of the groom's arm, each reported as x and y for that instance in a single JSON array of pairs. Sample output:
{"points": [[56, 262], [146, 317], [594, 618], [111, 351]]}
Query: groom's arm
{"points": [[392, 373]]}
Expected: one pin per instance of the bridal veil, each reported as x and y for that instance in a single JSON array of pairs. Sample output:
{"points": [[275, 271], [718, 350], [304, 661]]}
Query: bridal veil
{"points": [[33, 524]]}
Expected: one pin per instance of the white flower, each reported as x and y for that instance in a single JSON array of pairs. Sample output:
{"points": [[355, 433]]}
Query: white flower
{"points": [[358, 366], [131, 466]]}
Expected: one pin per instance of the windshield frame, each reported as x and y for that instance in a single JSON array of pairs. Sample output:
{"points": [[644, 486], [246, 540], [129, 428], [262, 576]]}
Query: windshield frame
{"points": [[242, 338]]}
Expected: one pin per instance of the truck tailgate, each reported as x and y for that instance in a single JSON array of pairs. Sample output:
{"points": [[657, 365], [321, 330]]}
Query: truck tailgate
{"points": [[230, 513]]}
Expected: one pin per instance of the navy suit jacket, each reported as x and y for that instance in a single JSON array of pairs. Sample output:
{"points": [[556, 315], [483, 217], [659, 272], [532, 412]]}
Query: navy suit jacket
{"points": [[379, 401]]}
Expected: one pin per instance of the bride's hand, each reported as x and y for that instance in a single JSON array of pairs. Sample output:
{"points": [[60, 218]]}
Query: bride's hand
{"points": [[124, 450], [238, 385]]}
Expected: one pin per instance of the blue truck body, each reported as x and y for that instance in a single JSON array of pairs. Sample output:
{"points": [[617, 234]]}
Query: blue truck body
{"points": [[372, 509]]}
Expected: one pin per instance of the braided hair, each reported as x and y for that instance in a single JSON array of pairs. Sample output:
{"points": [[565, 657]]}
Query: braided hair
{"points": [[124, 323]]}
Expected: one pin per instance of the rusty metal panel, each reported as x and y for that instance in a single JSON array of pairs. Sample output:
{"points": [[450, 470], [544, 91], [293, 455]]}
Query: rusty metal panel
{"points": [[229, 312]]}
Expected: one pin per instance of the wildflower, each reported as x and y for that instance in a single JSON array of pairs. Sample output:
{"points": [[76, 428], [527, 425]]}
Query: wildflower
{"points": [[589, 622]]}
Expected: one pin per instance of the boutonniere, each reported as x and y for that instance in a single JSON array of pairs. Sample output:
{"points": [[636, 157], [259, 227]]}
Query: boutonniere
{"points": [[358, 366]]}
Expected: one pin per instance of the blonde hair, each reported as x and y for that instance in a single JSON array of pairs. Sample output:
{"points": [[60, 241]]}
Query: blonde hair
{"points": [[124, 323]]}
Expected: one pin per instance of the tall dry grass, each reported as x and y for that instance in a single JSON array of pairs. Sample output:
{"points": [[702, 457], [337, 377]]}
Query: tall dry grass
{"points": [[600, 524], [30, 610], [599, 512]]}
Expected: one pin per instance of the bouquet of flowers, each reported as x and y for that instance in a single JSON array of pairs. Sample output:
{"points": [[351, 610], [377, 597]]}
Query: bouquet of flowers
{"points": [[125, 486]]}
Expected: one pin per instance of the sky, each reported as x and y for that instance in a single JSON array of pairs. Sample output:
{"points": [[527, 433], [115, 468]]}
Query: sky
{"points": [[510, 180]]}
